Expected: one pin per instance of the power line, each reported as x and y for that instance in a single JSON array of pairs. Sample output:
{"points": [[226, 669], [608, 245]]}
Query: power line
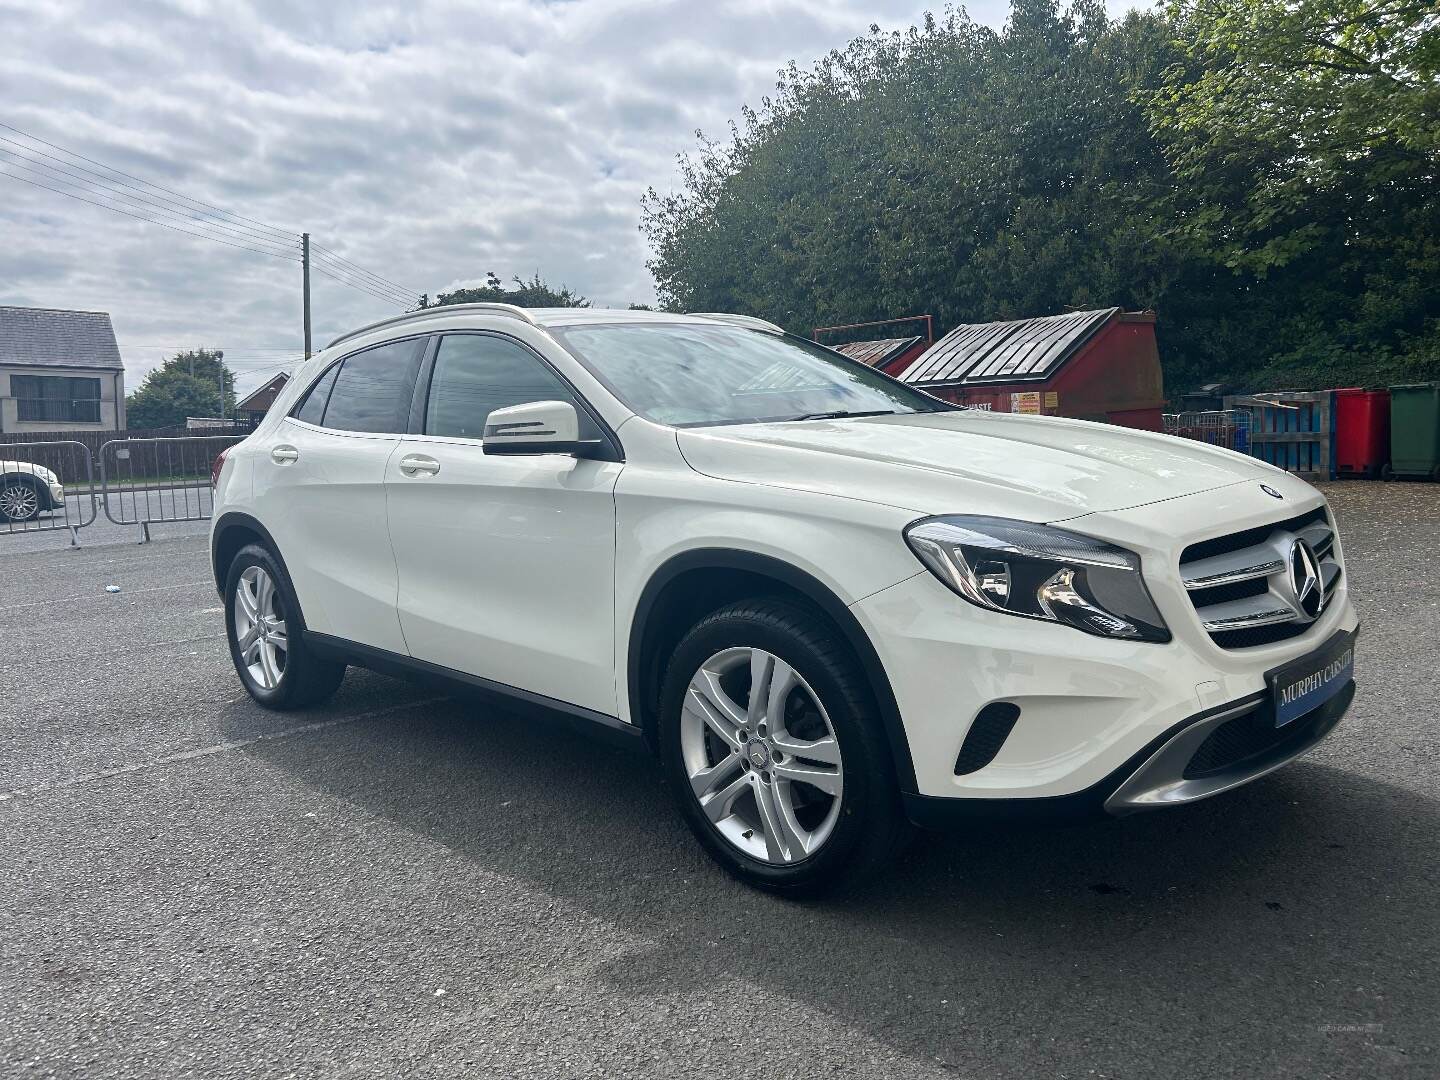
{"points": [[203, 218], [91, 188], [341, 259], [363, 288], [381, 294], [377, 283], [288, 234], [266, 233], [341, 274], [152, 221], [351, 278]]}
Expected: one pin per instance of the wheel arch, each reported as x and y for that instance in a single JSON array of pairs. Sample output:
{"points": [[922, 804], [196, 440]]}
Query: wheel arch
{"points": [[232, 531], [693, 583]]}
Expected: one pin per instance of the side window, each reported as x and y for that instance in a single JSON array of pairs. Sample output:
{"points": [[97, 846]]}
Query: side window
{"points": [[475, 374], [312, 409], [374, 388]]}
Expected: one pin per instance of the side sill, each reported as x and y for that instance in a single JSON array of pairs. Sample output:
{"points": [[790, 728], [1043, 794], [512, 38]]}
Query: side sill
{"points": [[576, 717]]}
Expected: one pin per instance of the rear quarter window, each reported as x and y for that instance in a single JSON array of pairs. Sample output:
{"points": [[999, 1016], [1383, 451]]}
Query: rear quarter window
{"points": [[373, 389], [312, 407]]}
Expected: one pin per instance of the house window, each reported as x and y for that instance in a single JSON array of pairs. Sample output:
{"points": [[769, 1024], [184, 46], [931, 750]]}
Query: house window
{"points": [[56, 398]]}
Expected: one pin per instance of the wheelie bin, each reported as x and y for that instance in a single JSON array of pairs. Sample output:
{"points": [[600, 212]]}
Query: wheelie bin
{"points": [[1414, 431], [1362, 432]]}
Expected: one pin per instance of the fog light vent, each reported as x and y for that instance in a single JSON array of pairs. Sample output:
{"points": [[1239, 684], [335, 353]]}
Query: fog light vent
{"points": [[986, 736]]}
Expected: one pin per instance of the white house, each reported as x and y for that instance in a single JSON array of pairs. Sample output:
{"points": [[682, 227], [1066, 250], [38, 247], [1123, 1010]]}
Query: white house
{"points": [[59, 371]]}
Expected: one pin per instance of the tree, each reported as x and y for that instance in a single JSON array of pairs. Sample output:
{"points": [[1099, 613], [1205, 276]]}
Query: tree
{"points": [[533, 293], [947, 169], [188, 384], [1069, 161], [1305, 138]]}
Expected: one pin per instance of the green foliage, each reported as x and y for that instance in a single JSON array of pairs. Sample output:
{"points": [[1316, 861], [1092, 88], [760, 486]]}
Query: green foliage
{"points": [[1069, 161], [531, 294], [188, 384]]}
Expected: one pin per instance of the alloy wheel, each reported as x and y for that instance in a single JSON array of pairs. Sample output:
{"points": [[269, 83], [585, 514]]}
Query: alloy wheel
{"points": [[761, 755], [260, 632], [19, 502]]}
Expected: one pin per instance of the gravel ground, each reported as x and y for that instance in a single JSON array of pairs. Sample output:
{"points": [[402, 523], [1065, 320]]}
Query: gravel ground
{"points": [[401, 884]]}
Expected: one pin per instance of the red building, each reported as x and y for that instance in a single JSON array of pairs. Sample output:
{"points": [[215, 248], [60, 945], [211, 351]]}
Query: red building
{"points": [[1090, 365], [890, 355], [257, 403]]}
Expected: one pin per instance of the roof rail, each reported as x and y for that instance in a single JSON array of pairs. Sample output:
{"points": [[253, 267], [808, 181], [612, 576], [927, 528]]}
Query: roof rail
{"points": [[748, 321], [512, 310]]}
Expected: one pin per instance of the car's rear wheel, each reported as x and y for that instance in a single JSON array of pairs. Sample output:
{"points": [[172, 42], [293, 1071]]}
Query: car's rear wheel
{"points": [[266, 635], [19, 499], [770, 738]]}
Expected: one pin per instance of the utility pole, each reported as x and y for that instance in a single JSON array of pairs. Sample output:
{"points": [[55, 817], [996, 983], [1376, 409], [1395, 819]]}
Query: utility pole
{"points": [[305, 270]]}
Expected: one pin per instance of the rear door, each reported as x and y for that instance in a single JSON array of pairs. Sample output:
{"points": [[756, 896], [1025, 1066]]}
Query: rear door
{"points": [[506, 564], [319, 488]]}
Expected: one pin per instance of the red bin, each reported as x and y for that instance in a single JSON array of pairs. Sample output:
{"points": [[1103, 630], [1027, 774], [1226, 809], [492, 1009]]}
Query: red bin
{"points": [[1362, 432]]}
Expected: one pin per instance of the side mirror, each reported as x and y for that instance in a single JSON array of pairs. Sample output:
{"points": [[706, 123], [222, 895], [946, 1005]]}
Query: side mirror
{"points": [[540, 427]]}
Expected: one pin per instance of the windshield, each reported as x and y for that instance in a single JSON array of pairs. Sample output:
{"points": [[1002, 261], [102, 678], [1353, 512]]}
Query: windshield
{"points": [[688, 375]]}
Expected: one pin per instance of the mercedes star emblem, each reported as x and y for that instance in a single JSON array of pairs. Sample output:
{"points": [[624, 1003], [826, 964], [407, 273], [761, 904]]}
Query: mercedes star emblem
{"points": [[1305, 578]]}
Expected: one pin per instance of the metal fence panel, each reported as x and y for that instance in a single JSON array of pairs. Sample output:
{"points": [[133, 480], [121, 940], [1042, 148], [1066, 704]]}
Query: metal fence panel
{"points": [[146, 481], [46, 487]]}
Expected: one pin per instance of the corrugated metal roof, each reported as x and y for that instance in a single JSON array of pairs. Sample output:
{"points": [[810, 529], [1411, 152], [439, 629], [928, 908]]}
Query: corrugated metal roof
{"points": [[47, 337], [877, 353], [1018, 351]]}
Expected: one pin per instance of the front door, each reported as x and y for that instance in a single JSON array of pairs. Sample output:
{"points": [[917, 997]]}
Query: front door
{"points": [[506, 564]]}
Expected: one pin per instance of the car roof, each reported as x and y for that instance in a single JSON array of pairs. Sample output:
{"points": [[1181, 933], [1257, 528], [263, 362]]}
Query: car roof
{"points": [[546, 318]]}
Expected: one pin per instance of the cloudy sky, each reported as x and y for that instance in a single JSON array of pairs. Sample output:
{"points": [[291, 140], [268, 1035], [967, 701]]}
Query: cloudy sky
{"points": [[427, 142]]}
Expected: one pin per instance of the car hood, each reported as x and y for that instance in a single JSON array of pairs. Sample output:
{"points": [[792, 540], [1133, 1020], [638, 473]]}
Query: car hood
{"points": [[970, 461]]}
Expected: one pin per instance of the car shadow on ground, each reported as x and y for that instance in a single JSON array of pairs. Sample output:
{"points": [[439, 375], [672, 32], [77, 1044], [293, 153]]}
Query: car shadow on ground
{"points": [[1282, 908]]}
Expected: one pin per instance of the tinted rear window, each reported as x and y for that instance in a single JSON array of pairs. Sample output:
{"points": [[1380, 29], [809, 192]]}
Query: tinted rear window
{"points": [[374, 388]]}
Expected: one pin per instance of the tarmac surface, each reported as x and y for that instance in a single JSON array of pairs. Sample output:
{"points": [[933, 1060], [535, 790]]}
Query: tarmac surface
{"points": [[399, 884]]}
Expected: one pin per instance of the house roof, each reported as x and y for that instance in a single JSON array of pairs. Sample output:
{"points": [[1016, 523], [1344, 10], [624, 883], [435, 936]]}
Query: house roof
{"points": [[273, 387], [880, 352], [47, 337], [1020, 351]]}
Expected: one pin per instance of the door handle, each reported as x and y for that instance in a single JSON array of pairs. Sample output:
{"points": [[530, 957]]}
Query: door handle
{"points": [[283, 455], [419, 465]]}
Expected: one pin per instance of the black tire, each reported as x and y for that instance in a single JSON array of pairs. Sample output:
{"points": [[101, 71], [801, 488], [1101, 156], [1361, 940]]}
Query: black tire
{"points": [[41, 500], [871, 827], [306, 679]]}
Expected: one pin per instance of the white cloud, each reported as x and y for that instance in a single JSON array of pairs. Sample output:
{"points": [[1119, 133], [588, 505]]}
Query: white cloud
{"points": [[429, 141]]}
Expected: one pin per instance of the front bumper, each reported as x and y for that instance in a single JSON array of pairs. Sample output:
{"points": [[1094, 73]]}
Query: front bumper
{"points": [[57, 495], [1163, 773], [1090, 710]]}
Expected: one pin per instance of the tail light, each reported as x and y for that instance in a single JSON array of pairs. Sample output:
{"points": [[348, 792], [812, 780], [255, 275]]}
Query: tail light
{"points": [[216, 467]]}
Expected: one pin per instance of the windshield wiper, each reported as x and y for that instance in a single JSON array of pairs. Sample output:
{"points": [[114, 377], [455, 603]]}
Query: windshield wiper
{"points": [[840, 414]]}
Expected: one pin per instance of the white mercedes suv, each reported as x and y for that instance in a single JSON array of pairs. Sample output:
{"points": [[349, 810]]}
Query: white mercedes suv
{"points": [[831, 604]]}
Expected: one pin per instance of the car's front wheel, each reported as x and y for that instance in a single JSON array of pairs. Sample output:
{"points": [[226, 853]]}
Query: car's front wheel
{"points": [[267, 643], [770, 737], [19, 499]]}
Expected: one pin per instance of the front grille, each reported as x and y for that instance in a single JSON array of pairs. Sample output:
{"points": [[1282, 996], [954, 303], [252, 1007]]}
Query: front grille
{"points": [[1247, 586]]}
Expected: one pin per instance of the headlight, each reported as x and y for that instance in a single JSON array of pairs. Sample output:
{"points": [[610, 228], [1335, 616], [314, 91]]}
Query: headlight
{"points": [[1040, 572]]}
